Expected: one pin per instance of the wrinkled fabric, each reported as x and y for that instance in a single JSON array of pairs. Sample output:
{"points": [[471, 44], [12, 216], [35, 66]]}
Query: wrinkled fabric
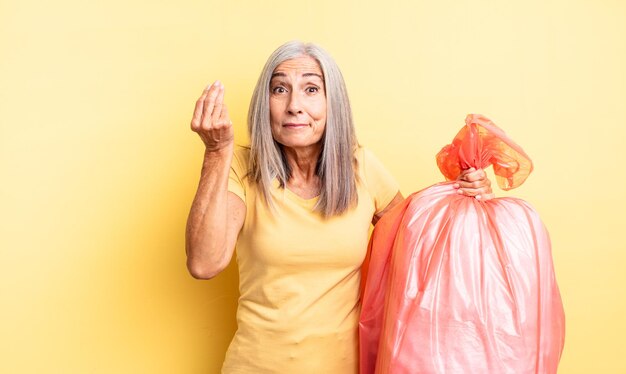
{"points": [[456, 285]]}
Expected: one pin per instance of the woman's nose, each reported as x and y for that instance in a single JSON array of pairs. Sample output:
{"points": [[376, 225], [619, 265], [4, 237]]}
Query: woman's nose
{"points": [[294, 106]]}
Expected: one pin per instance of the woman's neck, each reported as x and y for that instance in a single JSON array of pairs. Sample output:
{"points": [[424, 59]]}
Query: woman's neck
{"points": [[303, 164]]}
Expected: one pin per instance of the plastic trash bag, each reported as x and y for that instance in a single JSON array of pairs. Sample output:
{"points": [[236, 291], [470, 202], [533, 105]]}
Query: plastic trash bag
{"points": [[456, 285]]}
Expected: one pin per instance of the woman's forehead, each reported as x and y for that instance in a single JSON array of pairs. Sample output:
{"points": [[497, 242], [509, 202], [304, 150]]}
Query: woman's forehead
{"points": [[300, 65]]}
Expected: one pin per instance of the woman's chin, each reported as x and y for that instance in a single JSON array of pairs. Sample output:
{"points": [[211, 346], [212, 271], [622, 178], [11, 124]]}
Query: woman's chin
{"points": [[298, 144]]}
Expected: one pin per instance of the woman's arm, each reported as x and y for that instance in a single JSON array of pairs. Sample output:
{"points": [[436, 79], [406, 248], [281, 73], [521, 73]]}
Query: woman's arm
{"points": [[216, 215], [396, 200]]}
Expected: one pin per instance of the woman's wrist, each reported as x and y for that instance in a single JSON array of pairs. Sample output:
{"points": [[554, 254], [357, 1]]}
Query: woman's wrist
{"points": [[223, 152]]}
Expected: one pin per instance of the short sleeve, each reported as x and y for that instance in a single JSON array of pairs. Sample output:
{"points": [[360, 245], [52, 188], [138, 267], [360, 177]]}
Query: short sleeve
{"points": [[380, 183], [238, 170]]}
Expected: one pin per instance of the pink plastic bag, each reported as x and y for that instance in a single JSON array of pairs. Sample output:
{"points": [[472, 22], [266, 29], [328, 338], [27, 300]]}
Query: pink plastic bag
{"points": [[456, 285]]}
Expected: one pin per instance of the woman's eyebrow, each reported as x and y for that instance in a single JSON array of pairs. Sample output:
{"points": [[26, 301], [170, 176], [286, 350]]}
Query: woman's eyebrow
{"points": [[281, 74], [313, 75]]}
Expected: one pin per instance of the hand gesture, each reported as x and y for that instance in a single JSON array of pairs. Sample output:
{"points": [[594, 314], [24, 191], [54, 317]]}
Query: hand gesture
{"points": [[211, 121], [475, 183]]}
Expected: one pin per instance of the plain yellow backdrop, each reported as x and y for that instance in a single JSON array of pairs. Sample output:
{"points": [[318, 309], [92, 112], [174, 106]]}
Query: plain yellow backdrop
{"points": [[98, 166]]}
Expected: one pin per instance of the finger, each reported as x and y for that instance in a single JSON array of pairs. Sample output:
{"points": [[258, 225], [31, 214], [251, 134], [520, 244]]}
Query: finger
{"points": [[461, 177], [464, 172], [209, 104], [474, 191], [466, 192], [485, 196], [219, 103], [475, 175], [224, 117], [197, 112], [470, 185]]}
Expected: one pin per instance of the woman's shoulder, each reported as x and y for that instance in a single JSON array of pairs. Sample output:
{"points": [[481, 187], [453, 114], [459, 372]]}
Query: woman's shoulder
{"points": [[379, 182], [372, 169], [365, 157], [367, 164]]}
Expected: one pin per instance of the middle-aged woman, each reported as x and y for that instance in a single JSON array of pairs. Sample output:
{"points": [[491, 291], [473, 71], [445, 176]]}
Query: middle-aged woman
{"points": [[298, 204]]}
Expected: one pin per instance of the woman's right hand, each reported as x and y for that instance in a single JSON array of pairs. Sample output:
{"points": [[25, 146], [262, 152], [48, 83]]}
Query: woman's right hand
{"points": [[211, 121]]}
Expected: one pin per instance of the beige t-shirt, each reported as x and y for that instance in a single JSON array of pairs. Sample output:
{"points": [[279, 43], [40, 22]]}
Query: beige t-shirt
{"points": [[299, 276]]}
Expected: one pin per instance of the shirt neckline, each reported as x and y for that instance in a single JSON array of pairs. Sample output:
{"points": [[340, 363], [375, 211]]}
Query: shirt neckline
{"points": [[300, 198], [293, 196]]}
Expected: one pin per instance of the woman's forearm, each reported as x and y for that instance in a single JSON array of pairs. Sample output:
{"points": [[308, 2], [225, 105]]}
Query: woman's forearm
{"points": [[206, 241]]}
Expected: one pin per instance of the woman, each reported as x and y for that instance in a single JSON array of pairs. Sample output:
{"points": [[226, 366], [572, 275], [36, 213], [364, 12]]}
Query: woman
{"points": [[298, 203]]}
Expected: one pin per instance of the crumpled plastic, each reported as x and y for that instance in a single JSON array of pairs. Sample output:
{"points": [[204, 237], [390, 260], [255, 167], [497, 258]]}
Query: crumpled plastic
{"points": [[456, 285]]}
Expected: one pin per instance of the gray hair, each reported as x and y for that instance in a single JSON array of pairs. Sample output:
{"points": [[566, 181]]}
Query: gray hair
{"points": [[337, 166]]}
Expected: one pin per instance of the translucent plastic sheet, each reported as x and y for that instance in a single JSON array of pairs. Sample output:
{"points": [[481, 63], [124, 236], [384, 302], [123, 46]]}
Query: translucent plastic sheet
{"points": [[455, 285]]}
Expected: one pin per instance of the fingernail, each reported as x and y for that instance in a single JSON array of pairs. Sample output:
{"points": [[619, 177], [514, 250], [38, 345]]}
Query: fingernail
{"points": [[217, 83], [460, 192], [456, 185], [478, 197]]}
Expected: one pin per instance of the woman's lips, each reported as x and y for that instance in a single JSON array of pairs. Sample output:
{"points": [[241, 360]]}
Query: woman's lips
{"points": [[295, 125]]}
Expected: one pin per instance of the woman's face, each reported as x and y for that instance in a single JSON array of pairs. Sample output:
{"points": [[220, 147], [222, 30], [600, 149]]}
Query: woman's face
{"points": [[298, 103]]}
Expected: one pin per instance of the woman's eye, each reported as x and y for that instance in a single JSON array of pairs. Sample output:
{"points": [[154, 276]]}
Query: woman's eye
{"points": [[312, 89], [279, 90]]}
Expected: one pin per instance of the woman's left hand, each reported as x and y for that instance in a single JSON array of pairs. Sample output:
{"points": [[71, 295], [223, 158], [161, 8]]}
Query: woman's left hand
{"points": [[474, 182]]}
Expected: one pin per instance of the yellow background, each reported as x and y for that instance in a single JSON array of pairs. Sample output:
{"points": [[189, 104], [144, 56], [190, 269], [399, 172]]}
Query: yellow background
{"points": [[98, 166]]}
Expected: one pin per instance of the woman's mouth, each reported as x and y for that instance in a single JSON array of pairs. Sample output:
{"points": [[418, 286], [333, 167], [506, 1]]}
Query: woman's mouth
{"points": [[291, 125]]}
